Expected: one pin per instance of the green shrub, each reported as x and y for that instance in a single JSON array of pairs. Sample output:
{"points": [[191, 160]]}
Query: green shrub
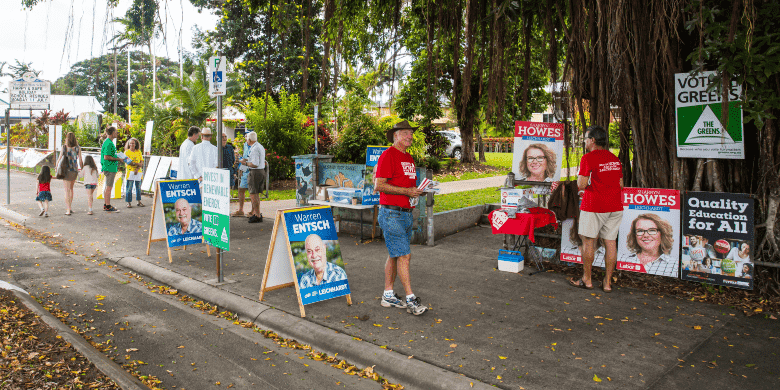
{"points": [[279, 125], [357, 134]]}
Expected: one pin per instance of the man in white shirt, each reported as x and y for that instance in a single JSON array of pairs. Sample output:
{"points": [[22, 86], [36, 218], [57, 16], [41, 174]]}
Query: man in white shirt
{"points": [[185, 150], [204, 155], [256, 164]]}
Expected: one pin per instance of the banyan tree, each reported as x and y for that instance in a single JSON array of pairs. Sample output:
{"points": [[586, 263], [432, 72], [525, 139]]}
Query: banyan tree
{"points": [[611, 59]]}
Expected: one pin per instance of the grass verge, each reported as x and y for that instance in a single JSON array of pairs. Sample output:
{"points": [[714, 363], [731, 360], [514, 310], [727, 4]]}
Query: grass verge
{"points": [[463, 199], [272, 195]]}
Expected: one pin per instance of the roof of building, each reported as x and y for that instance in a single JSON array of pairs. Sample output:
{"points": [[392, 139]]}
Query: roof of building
{"points": [[74, 105]]}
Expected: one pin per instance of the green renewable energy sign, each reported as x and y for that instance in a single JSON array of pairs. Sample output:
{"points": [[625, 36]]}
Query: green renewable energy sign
{"points": [[700, 133], [216, 207]]}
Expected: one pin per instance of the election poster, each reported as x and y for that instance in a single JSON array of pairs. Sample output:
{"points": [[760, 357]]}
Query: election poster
{"points": [[372, 158], [216, 207], [649, 236], [571, 245], [181, 201], [718, 239], [538, 153], [700, 133], [319, 267], [511, 196]]}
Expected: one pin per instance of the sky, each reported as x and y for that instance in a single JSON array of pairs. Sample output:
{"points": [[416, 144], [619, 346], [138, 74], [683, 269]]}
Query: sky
{"points": [[56, 34]]}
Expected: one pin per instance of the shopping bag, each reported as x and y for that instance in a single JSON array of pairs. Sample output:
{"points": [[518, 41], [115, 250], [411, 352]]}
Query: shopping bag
{"points": [[116, 192]]}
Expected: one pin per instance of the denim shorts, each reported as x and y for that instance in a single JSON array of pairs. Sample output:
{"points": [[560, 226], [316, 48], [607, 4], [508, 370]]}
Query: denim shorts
{"points": [[397, 230]]}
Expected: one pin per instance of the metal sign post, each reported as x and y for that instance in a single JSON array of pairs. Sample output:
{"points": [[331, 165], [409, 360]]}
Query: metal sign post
{"points": [[8, 155], [218, 87]]}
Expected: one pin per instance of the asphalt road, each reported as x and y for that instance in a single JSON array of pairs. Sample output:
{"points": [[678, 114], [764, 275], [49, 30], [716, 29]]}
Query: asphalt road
{"points": [[158, 334]]}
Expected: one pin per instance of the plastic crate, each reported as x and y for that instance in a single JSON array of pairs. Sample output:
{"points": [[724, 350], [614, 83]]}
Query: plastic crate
{"points": [[510, 261]]}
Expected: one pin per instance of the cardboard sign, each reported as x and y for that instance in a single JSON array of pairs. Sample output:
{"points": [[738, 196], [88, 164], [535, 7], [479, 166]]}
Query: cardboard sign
{"points": [[718, 239], [372, 158], [216, 207], [700, 132], [649, 237], [571, 245], [181, 201], [305, 253], [538, 152]]}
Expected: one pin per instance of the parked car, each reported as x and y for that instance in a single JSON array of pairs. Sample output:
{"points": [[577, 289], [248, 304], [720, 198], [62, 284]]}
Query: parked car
{"points": [[455, 146]]}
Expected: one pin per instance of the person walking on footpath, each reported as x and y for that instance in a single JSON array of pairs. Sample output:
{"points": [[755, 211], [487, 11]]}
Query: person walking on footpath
{"points": [[243, 180], [90, 180], [43, 196], [204, 155], [72, 151], [134, 172], [395, 180], [109, 161], [256, 165], [600, 181], [185, 149]]}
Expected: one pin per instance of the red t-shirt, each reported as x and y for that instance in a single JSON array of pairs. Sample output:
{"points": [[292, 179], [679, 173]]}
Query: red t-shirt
{"points": [[44, 187], [603, 193], [398, 168]]}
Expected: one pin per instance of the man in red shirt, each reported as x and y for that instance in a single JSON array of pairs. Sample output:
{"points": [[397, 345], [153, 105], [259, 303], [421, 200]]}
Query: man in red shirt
{"points": [[600, 181], [396, 179]]}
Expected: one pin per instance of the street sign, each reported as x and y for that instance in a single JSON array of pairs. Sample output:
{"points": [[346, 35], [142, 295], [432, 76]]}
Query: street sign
{"points": [[216, 207], [217, 76], [30, 92]]}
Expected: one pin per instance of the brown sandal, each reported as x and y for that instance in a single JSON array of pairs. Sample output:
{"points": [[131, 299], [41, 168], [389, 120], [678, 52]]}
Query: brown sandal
{"points": [[580, 283], [605, 288]]}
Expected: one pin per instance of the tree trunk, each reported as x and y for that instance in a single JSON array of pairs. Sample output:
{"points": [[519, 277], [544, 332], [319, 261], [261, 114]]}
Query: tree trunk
{"points": [[307, 46]]}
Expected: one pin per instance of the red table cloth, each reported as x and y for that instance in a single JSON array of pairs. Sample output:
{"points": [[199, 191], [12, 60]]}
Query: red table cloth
{"points": [[523, 224]]}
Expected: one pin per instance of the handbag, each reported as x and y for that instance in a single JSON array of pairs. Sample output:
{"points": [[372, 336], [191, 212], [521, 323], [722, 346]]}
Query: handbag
{"points": [[62, 166]]}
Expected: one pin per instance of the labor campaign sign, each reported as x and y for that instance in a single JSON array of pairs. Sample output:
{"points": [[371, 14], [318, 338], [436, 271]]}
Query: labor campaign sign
{"points": [[571, 245], [700, 133], [181, 200], [538, 152], [718, 239], [316, 253], [649, 236]]}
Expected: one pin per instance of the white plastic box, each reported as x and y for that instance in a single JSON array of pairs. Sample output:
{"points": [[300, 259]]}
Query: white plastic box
{"points": [[510, 261], [344, 194]]}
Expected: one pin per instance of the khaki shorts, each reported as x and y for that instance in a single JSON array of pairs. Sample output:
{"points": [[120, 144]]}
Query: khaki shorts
{"points": [[110, 176], [256, 180], [604, 225]]}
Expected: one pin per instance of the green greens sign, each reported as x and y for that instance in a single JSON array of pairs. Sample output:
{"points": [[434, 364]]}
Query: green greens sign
{"points": [[216, 207], [700, 133]]}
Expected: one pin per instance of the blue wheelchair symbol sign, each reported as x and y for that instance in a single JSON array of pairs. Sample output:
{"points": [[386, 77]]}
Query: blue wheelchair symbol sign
{"points": [[217, 77]]}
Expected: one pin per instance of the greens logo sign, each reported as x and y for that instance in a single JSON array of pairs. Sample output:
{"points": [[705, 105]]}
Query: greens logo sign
{"points": [[700, 133]]}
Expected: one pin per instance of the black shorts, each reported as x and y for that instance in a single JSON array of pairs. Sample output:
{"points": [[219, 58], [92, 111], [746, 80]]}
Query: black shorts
{"points": [[256, 180]]}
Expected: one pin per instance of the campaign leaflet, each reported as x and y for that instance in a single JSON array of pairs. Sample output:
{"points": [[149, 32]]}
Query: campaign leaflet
{"points": [[181, 201], [538, 153], [510, 196], [372, 158], [319, 266], [571, 245], [718, 239], [649, 237]]}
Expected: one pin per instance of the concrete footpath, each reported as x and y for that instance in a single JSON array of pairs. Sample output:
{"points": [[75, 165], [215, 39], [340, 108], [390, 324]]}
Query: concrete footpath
{"points": [[484, 327]]}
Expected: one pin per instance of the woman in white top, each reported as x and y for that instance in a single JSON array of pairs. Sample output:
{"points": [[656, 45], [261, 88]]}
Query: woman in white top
{"points": [[740, 257]]}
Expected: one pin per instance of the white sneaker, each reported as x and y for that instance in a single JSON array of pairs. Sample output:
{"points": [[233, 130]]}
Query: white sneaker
{"points": [[41, 213], [413, 306]]}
